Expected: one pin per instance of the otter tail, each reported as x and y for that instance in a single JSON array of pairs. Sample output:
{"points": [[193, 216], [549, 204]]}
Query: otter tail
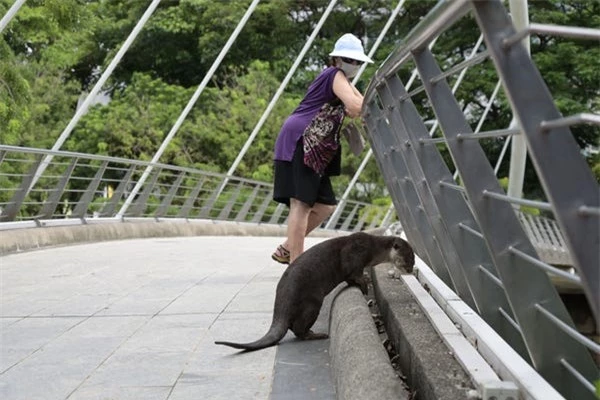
{"points": [[276, 332]]}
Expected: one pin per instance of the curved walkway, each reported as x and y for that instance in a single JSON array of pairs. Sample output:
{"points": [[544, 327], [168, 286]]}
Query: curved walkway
{"points": [[136, 319]]}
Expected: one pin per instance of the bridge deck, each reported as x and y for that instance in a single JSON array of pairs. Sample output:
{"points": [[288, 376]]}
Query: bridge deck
{"points": [[137, 319]]}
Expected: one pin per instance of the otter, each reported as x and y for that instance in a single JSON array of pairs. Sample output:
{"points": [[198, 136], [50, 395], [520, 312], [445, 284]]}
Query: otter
{"points": [[316, 272]]}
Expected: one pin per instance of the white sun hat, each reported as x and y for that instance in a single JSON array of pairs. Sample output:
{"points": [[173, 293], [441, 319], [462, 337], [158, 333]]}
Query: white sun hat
{"points": [[349, 46]]}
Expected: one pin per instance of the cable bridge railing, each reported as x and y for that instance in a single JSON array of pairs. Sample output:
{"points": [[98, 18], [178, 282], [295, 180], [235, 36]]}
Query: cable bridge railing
{"points": [[84, 188], [77, 188], [457, 215], [500, 260]]}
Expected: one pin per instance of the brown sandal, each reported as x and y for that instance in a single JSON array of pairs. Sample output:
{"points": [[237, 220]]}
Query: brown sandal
{"points": [[281, 255]]}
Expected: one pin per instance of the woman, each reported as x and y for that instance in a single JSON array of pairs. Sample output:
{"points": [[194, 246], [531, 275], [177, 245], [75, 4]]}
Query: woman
{"points": [[309, 195]]}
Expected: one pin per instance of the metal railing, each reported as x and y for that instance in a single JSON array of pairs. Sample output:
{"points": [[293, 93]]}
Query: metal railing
{"points": [[469, 231], [501, 261], [546, 237], [76, 187]]}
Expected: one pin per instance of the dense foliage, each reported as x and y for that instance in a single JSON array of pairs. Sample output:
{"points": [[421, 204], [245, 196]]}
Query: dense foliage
{"points": [[54, 51]]}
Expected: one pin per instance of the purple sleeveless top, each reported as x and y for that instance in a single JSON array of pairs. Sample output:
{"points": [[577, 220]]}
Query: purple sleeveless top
{"points": [[319, 92]]}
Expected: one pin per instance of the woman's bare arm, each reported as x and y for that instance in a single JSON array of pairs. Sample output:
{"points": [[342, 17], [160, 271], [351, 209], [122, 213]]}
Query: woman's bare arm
{"points": [[356, 92], [348, 94]]}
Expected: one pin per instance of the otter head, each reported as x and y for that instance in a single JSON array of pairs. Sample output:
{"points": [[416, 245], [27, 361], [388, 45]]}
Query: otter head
{"points": [[402, 255]]}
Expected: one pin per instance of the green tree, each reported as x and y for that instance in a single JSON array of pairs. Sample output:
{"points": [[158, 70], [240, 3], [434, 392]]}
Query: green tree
{"points": [[135, 121], [14, 96], [56, 49], [37, 50], [570, 67]]}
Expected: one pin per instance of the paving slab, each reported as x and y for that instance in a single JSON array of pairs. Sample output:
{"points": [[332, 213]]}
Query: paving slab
{"points": [[303, 368], [25, 336], [136, 319]]}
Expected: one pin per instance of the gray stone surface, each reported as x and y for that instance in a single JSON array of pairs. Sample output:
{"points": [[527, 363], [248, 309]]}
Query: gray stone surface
{"points": [[136, 319], [128, 318], [303, 368], [431, 369], [18, 240], [361, 367]]}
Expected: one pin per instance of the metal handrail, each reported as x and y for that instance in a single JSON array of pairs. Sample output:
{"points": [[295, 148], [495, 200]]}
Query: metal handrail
{"points": [[443, 15], [465, 233], [567, 31], [95, 157], [179, 193]]}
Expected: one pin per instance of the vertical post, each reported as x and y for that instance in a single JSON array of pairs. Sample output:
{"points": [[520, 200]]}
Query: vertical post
{"points": [[188, 108], [518, 152], [526, 90], [459, 80]]}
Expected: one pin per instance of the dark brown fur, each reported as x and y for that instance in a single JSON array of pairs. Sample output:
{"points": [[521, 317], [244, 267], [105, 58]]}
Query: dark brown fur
{"points": [[306, 282]]}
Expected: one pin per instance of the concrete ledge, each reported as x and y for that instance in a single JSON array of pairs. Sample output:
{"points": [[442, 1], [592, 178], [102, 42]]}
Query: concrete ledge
{"points": [[432, 371], [17, 240], [505, 361], [360, 365]]}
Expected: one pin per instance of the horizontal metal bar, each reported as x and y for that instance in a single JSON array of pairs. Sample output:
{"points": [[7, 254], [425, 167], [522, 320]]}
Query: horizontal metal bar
{"points": [[509, 319], [493, 277], [590, 344], [443, 15], [488, 134], [470, 230], [411, 93], [546, 267], [432, 141], [479, 57], [569, 121], [577, 375], [477, 136], [560, 30], [585, 210], [452, 186], [542, 205], [18, 224], [60, 153]]}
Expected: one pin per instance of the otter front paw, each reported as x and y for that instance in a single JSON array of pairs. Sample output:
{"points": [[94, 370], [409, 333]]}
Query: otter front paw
{"points": [[310, 335], [361, 283]]}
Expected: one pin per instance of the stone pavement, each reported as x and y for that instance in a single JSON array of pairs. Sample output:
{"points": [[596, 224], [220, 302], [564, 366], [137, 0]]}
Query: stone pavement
{"points": [[136, 319]]}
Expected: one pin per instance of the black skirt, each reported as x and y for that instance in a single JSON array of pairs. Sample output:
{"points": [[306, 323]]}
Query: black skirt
{"points": [[295, 180]]}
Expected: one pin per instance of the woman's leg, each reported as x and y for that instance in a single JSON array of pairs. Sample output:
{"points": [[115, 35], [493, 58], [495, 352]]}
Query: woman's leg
{"points": [[297, 226], [317, 214]]}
